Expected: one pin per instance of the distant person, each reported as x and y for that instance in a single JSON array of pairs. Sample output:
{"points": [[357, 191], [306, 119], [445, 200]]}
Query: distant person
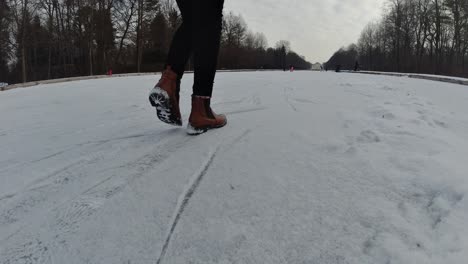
{"points": [[356, 66], [338, 68], [291, 68], [199, 34]]}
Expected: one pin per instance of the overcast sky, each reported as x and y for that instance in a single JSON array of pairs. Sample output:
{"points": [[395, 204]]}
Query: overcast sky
{"points": [[315, 28]]}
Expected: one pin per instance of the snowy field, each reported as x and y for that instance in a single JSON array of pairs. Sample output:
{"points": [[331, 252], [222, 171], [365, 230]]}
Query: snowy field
{"points": [[312, 168]]}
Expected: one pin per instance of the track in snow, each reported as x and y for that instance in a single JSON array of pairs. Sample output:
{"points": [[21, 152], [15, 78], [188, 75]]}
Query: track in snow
{"points": [[184, 200]]}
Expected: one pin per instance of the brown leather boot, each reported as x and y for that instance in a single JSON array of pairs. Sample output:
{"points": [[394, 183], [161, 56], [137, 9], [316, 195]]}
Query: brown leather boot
{"points": [[165, 97], [202, 118]]}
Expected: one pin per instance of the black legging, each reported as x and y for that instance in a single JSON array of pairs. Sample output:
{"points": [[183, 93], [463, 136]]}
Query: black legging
{"points": [[200, 34]]}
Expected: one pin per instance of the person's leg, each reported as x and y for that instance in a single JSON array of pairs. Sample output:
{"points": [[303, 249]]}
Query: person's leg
{"points": [[165, 95], [206, 35], [181, 46], [207, 23]]}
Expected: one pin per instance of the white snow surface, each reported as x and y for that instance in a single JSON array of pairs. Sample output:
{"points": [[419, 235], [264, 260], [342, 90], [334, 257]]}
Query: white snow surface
{"points": [[417, 74], [313, 167]]}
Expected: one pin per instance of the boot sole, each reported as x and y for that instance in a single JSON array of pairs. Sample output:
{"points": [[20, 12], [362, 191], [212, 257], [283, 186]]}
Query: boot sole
{"points": [[195, 131], [160, 100]]}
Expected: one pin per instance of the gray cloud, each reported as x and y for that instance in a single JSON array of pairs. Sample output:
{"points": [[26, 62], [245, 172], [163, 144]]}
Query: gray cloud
{"points": [[316, 28]]}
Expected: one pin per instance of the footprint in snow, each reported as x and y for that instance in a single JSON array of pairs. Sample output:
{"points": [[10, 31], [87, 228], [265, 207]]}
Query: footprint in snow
{"points": [[388, 116], [382, 113], [33, 251], [368, 136], [388, 88], [441, 124], [441, 204]]}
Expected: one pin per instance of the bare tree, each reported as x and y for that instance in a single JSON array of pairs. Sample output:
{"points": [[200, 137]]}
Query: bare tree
{"points": [[124, 15], [429, 36], [5, 44], [61, 38], [234, 30]]}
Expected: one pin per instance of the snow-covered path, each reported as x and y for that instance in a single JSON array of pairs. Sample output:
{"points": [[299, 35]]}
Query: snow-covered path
{"points": [[312, 168]]}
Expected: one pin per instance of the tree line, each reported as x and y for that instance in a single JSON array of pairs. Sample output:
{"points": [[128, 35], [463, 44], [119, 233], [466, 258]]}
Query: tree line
{"points": [[46, 39], [422, 36]]}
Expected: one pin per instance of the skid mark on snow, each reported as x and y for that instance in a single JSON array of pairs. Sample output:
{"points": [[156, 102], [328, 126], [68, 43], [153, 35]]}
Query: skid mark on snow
{"points": [[287, 92], [239, 138], [255, 100], [6, 197], [242, 136], [50, 182], [305, 101], [359, 93], [51, 156], [76, 147], [68, 217], [185, 198], [402, 133], [104, 141], [91, 199], [231, 102], [246, 110], [40, 190], [121, 138], [388, 88]]}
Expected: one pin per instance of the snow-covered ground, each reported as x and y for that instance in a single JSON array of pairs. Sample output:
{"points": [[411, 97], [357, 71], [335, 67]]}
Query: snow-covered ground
{"points": [[441, 78], [313, 167]]}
